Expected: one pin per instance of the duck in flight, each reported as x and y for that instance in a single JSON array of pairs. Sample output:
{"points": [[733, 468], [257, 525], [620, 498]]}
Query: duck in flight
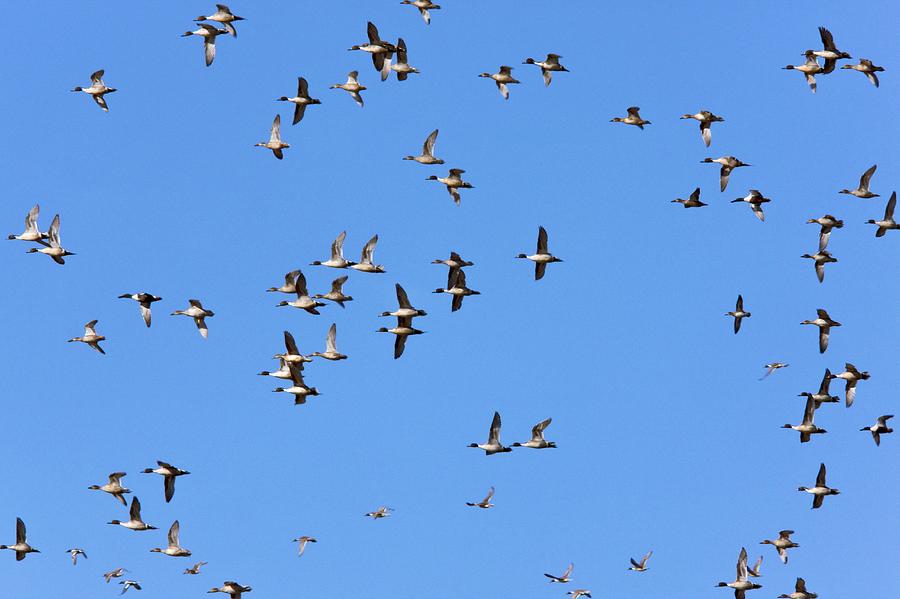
{"points": [[195, 569], [692, 202], [706, 119], [352, 87], [74, 553], [53, 247], [406, 309], [424, 6], [807, 427], [21, 548], [289, 284], [822, 395], [113, 487], [739, 313], [493, 444], [97, 90], [829, 52], [275, 144], [231, 588], [727, 164], [366, 258], [292, 355], [336, 294], [824, 322], [209, 33], [821, 490], [548, 66], [91, 338], [887, 223], [800, 592], [382, 512], [633, 118], [542, 257], [224, 16], [820, 259], [863, 190], [129, 584], [484, 503], [564, 577], [199, 314], [402, 67], [427, 155], [299, 389], [827, 222], [537, 440], [756, 200], [31, 232], [810, 69], [302, 543], [403, 330], [741, 584], [331, 352], [879, 428], [770, 368], [851, 376], [301, 100], [134, 521], [303, 301], [169, 474], [640, 566], [456, 286], [502, 78], [337, 255], [144, 300], [380, 50], [174, 548], [868, 68], [454, 183]]}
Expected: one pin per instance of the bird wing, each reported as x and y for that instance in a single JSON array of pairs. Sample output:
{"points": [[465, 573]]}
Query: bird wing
{"points": [[169, 484], [494, 433], [338, 284], [290, 345], [820, 477], [337, 246], [300, 285], [330, 340], [369, 250], [399, 345], [402, 298], [867, 176], [173, 534], [302, 88], [89, 328], [135, 510], [20, 531], [889, 209], [542, 241], [97, 77], [537, 432], [275, 137], [428, 147]]}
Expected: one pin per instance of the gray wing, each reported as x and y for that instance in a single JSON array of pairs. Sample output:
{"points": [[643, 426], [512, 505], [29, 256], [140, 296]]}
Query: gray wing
{"points": [[428, 148], [494, 434], [542, 241], [403, 299], [820, 477], [867, 176]]}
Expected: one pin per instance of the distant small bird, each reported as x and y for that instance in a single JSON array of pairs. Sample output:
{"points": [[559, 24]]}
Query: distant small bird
{"points": [[381, 512], [727, 164], [301, 100], [579, 593], [174, 548], [633, 118], [548, 66], [809, 69], [542, 257], [352, 86], [402, 67], [502, 78], [113, 487], [822, 395], [275, 143], [756, 200], [863, 190], [331, 352], [706, 119], [303, 301], [820, 259], [403, 330], [770, 368], [484, 503], [829, 52], [824, 322], [292, 355], [641, 566], [336, 294], [22, 548], [366, 258], [199, 314], [130, 584], [887, 223], [454, 183], [303, 541], [821, 490], [879, 428], [289, 284], [134, 522], [564, 577], [692, 202], [117, 573], [454, 261], [75, 552], [53, 247], [209, 34], [851, 375], [741, 585], [31, 233], [827, 222], [424, 6], [231, 588], [97, 90], [169, 474], [406, 309], [537, 437], [427, 155], [299, 389], [337, 255], [381, 50], [91, 338], [224, 16], [493, 444], [739, 313], [144, 300], [808, 426], [456, 286], [800, 592], [867, 68], [195, 569], [755, 570]]}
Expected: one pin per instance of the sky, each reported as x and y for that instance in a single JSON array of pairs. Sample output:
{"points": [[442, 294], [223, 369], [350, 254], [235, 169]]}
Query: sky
{"points": [[666, 438]]}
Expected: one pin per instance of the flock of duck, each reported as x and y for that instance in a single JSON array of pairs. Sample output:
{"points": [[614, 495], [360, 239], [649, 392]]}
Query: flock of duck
{"points": [[388, 57]]}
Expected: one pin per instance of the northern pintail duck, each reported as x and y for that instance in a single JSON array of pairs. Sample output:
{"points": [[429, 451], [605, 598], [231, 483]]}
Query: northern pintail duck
{"points": [[692, 202], [365, 263], [879, 428], [337, 254], [502, 78], [352, 87], [577, 593], [822, 395], [633, 118], [199, 314], [382, 512], [283, 371], [75, 552], [381, 50], [851, 375], [302, 543], [129, 584], [800, 591], [427, 155], [303, 301], [809, 69], [209, 34], [336, 294], [756, 200], [454, 261], [301, 100], [808, 426], [113, 487], [542, 257], [820, 259], [564, 577], [292, 355], [144, 300], [727, 164], [739, 313], [824, 322], [706, 119], [537, 440], [117, 573], [456, 286], [91, 337], [484, 503], [134, 521], [754, 571], [31, 232], [275, 144], [231, 588], [195, 569], [548, 66], [97, 90], [402, 67], [224, 16], [289, 284], [863, 190], [169, 474], [887, 223], [53, 247], [741, 585], [174, 548], [821, 490], [405, 309], [424, 6], [331, 352], [827, 222], [640, 566], [22, 548], [867, 68], [454, 183], [493, 444], [403, 330], [299, 389], [770, 368], [829, 52]]}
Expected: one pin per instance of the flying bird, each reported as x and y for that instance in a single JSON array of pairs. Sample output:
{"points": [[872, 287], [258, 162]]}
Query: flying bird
{"points": [[169, 474], [97, 89], [275, 144], [739, 313], [144, 300], [493, 444], [821, 490], [542, 257]]}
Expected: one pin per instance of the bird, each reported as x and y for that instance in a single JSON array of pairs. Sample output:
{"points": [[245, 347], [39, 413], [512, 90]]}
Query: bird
{"points": [[169, 474], [640, 566], [402, 67], [493, 444], [502, 78], [380, 50], [292, 355], [231, 588], [706, 119], [289, 284], [224, 16], [144, 300], [403, 330], [337, 292], [633, 118], [879, 428], [564, 577], [97, 90], [302, 543], [303, 301], [275, 144], [820, 259], [129, 584], [827, 222], [365, 263], [807, 427], [381, 512], [727, 164], [454, 183], [424, 6], [337, 255], [454, 261], [821, 490], [21, 548], [427, 155], [824, 322], [31, 232], [863, 190], [822, 395], [91, 338], [352, 86], [283, 371], [851, 375], [542, 257], [770, 368], [868, 68], [195, 569], [809, 69], [174, 548], [113, 487], [887, 223], [117, 573], [739, 313], [537, 437], [756, 200], [301, 100], [456, 286], [53, 247], [692, 202], [548, 66], [406, 309], [331, 352], [209, 34], [299, 389], [577, 593], [134, 521], [484, 503], [741, 585], [800, 592], [829, 52], [199, 314], [755, 570]]}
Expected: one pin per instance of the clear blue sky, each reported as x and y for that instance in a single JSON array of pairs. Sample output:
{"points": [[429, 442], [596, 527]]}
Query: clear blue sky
{"points": [[667, 441]]}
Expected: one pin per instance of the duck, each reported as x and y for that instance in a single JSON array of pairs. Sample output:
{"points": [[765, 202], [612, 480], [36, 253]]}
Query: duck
{"points": [[741, 585], [337, 292], [402, 67], [824, 322], [829, 52], [852, 376], [754, 572], [169, 474], [403, 330], [303, 541], [231, 588], [117, 573], [129, 584], [275, 144], [199, 314], [31, 232], [352, 86], [756, 200], [22, 548], [727, 164], [303, 301], [821, 490], [380, 50], [809, 69], [564, 577], [424, 6], [144, 300], [692, 202], [134, 521], [822, 395], [807, 427], [827, 222], [195, 569], [292, 355], [97, 90], [542, 257], [382, 512], [577, 593], [537, 437], [548, 66], [879, 428], [866, 67], [706, 119], [224, 16], [887, 223], [454, 183], [331, 352], [301, 100], [633, 118], [289, 285], [91, 338], [484, 503], [209, 34], [862, 191], [113, 487], [820, 259], [770, 368], [427, 155], [365, 263], [502, 78], [739, 313], [283, 371], [406, 309], [493, 444], [456, 286], [174, 549], [337, 255], [53, 247], [800, 591], [298, 388], [640, 566], [454, 261]]}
